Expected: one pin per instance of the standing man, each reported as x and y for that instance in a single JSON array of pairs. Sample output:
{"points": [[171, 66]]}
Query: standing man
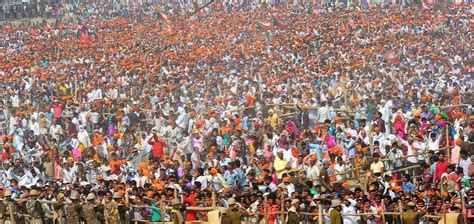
{"points": [[335, 214], [112, 215], [292, 217], [176, 215], [7, 208], [73, 209], [234, 213], [35, 209], [89, 210], [411, 216]]}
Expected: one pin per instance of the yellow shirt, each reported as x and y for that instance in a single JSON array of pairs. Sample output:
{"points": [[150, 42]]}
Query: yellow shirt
{"points": [[377, 167], [280, 167], [273, 120]]}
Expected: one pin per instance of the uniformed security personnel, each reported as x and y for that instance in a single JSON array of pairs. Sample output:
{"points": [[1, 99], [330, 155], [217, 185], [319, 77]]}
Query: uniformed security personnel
{"points": [[7, 208], [411, 216], [34, 207], [176, 215], [233, 213], [89, 213], [58, 208], [111, 208], [73, 210]]}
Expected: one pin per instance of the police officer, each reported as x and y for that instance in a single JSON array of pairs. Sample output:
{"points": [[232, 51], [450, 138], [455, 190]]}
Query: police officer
{"points": [[176, 215], [234, 213], [7, 208], [35, 209], [111, 208], [58, 208], [89, 214], [73, 209]]}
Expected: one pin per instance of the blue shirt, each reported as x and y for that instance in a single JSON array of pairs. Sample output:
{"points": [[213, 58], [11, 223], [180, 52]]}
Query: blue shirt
{"points": [[408, 187]]}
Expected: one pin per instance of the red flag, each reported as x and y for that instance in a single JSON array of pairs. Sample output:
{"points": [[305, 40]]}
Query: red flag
{"points": [[85, 38]]}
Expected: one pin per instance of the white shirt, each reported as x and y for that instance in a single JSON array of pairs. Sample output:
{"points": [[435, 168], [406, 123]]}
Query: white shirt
{"points": [[465, 163], [323, 114], [349, 210], [69, 175], [339, 169], [55, 131]]}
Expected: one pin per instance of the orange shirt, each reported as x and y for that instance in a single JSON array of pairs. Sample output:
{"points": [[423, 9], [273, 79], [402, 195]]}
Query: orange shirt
{"points": [[115, 166]]}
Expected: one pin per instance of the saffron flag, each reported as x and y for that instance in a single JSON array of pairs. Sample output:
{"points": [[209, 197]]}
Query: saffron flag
{"points": [[85, 37]]}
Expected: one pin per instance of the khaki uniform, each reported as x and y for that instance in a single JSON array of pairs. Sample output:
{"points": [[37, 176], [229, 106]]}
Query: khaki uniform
{"points": [[411, 217], [6, 209], [72, 213], [232, 217], [177, 217], [111, 211], [35, 210], [89, 214], [335, 216]]}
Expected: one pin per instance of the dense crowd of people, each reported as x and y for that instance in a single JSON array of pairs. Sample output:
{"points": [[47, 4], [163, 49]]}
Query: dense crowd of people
{"points": [[253, 108]]}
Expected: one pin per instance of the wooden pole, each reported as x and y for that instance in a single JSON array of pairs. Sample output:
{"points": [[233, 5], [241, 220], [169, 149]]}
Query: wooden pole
{"points": [[444, 213], [400, 209], [213, 198], [344, 90], [265, 209], [383, 211], [282, 209], [320, 213], [463, 208], [371, 138], [447, 143], [12, 216], [162, 210]]}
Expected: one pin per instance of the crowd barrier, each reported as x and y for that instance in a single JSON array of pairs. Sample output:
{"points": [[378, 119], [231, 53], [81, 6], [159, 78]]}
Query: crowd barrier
{"points": [[55, 217]]}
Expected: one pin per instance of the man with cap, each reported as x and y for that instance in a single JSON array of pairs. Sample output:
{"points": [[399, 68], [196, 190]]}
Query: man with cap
{"points": [[58, 208], [176, 215], [89, 210], [111, 208], [73, 209], [292, 217], [335, 214], [234, 213], [411, 216], [34, 207], [7, 208]]}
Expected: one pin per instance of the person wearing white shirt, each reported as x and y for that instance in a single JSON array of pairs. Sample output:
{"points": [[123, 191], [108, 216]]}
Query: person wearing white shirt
{"points": [[288, 156], [140, 178], [83, 137], [433, 142], [15, 100], [23, 179], [69, 173], [348, 207], [465, 162], [380, 137], [323, 113], [386, 114], [55, 130], [340, 167]]}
